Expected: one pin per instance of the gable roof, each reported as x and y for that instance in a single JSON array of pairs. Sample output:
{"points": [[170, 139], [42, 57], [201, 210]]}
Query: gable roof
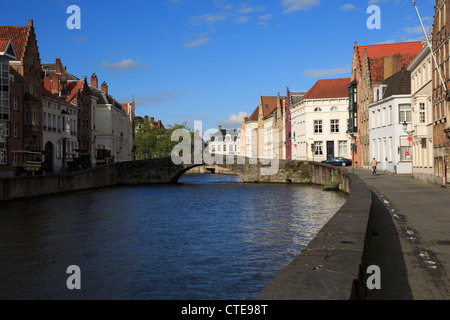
{"points": [[49, 68], [254, 116], [72, 89], [405, 52], [328, 88], [18, 36], [399, 83], [7, 49]]}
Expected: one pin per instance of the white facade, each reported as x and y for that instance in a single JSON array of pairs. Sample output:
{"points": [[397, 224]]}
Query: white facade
{"points": [[59, 120], [422, 124], [113, 127], [268, 138], [251, 142], [389, 143], [322, 122], [226, 142]]}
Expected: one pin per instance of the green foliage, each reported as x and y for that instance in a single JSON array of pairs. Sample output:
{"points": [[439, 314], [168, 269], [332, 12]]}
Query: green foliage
{"points": [[157, 141]]}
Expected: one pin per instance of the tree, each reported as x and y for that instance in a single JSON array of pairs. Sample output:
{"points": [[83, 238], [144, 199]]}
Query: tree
{"points": [[154, 142]]}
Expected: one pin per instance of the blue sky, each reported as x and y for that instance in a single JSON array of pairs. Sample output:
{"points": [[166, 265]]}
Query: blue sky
{"points": [[186, 60]]}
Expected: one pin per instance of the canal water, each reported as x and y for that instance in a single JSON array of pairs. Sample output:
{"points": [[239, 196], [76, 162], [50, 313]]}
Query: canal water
{"points": [[209, 237]]}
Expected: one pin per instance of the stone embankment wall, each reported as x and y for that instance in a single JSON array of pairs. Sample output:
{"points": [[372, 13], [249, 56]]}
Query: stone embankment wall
{"points": [[332, 265]]}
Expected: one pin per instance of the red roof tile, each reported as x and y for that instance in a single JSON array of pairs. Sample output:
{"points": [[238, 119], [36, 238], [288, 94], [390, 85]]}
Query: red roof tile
{"points": [[268, 104], [377, 53], [3, 44], [254, 116], [328, 88], [18, 36], [390, 49], [72, 89]]}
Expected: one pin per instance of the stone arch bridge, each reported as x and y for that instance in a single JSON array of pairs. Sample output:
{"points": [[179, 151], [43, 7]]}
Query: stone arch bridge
{"points": [[164, 170]]}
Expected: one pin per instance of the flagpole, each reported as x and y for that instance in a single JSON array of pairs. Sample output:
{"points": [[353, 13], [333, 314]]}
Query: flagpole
{"points": [[429, 46]]}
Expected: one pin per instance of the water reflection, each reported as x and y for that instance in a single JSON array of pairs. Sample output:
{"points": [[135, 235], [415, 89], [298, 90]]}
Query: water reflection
{"points": [[197, 240]]}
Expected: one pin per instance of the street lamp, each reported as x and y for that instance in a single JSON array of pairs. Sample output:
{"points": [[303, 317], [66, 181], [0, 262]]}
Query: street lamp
{"points": [[405, 128]]}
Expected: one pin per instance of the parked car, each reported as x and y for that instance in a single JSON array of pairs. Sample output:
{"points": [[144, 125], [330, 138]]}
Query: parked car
{"points": [[338, 161]]}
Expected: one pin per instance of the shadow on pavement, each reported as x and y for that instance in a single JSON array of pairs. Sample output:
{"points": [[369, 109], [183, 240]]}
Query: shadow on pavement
{"points": [[384, 250]]}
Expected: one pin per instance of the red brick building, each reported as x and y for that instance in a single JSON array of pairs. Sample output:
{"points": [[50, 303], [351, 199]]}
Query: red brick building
{"points": [[441, 93], [59, 82], [370, 66], [27, 71]]}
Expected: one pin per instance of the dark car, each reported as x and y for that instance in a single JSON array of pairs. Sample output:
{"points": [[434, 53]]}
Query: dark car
{"points": [[338, 161]]}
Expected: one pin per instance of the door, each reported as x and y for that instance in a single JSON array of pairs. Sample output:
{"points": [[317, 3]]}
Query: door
{"points": [[330, 149], [48, 164]]}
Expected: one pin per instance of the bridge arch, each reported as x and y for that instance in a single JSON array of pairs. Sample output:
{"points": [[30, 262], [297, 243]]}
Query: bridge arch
{"points": [[178, 174]]}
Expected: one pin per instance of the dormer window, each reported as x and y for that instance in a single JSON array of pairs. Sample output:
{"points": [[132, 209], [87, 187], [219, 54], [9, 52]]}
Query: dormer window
{"points": [[318, 109]]}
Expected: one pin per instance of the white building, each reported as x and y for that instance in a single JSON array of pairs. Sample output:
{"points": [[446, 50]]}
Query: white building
{"points": [[251, 136], [225, 141], [59, 120], [320, 119], [390, 143], [422, 118], [112, 125]]}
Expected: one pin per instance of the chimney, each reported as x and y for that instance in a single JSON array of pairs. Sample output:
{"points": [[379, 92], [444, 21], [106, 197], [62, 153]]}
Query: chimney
{"points": [[220, 128], [392, 65], [146, 117], [105, 87], [58, 65], [55, 84], [30, 23], [94, 80], [159, 124], [152, 119]]}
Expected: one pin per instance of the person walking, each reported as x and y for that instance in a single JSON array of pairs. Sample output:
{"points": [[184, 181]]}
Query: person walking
{"points": [[373, 163]]}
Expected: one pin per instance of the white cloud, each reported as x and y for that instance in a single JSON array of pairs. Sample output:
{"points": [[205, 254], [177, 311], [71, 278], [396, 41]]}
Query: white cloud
{"points": [[323, 73], [197, 43], [294, 5], [233, 121], [266, 17], [208, 18], [347, 7], [124, 65]]}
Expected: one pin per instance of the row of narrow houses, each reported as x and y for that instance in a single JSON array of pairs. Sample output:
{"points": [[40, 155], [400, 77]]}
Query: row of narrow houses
{"points": [[47, 110], [394, 107]]}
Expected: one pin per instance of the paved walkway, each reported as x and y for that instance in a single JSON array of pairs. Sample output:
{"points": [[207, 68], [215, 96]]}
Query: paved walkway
{"points": [[410, 233]]}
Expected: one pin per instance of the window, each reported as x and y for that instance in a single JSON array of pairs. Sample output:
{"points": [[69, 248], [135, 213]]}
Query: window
{"points": [[334, 108], [213, 148], [27, 114], [334, 126], [318, 148], [317, 109], [405, 150], [4, 89], [317, 126], [16, 130], [404, 113], [422, 112], [16, 103], [3, 155], [224, 147], [343, 147]]}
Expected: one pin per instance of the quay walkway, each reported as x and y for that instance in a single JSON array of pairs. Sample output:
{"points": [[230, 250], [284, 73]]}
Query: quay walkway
{"points": [[410, 237]]}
